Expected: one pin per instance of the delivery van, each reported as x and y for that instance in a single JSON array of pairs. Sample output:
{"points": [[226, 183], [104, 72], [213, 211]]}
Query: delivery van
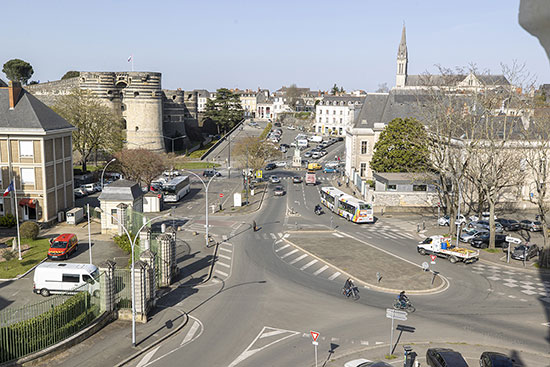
{"points": [[302, 143], [62, 278], [313, 166], [63, 246]]}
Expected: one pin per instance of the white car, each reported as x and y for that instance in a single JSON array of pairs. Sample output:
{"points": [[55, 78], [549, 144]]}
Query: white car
{"points": [[275, 179], [356, 362], [315, 155], [281, 164], [291, 127], [445, 220]]}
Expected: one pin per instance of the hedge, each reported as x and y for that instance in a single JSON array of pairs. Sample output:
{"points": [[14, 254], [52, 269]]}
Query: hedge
{"points": [[266, 131]]}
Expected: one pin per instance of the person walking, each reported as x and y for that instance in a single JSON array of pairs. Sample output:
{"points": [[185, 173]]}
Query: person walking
{"points": [[254, 226]]}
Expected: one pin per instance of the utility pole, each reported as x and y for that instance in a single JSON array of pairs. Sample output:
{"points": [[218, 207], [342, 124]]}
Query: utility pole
{"points": [[247, 178], [229, 156]]}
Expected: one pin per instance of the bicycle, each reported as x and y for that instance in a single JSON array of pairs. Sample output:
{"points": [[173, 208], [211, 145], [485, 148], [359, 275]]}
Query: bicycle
{"points": [[351, 292], [398, 305]]}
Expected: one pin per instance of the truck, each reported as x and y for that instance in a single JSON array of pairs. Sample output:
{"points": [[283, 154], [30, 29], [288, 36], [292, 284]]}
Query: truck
{"points": [[310, 178], [316, 138], [441, 247]]}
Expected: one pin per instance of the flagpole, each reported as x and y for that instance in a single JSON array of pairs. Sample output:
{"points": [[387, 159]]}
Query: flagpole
{"points": [[17, 220], [132, 62]]}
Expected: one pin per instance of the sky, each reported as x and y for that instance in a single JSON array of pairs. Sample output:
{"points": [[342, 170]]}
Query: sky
{"points": [[254, 44]]}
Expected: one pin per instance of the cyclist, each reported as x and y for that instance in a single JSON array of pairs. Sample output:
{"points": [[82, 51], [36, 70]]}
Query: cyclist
{"points": [[403, 299], [348, 286]]}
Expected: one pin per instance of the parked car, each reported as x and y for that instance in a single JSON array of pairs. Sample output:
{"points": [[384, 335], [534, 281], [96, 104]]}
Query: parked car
{"points": [[362, 362], [316, 155], [171, 173], [80, 192], [211, 173], [485, 225], [531, 225], [63, 246], [270, 166], [291, 127], [275, 179], [307, 154], [444, 357], [509, 224], [296, 179], [281, 164], [278, 191], [468, 234], [525, 251], [445, 220], [89, 188], [482, 240], [495, 359]]}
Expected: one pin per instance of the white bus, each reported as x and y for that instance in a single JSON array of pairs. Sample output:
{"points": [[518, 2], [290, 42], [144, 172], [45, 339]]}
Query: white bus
{"points": [[347, 206], [176, 188]]}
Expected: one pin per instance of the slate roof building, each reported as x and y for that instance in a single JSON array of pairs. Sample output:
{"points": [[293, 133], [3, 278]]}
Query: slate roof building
{"points": [[36, 154], [333, 114], [121, 191]]}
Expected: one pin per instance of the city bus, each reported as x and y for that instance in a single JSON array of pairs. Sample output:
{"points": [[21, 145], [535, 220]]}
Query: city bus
{"points": [[347, 206], [176, 188]]}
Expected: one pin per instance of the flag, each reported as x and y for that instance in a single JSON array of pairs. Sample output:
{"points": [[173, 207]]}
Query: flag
{"points": [[130, 58], [9, 189]]}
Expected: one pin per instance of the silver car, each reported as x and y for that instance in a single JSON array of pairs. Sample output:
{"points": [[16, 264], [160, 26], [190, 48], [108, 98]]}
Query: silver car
{"points": [[468, 234]]}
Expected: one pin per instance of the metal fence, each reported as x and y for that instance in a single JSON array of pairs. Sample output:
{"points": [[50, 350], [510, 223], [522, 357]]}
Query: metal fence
{"points": [[123, 288], [33, 327]]}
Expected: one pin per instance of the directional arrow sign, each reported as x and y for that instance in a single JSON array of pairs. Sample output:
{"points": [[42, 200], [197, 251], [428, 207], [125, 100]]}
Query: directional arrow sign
{"points": [[396, 314], [314, 335]]}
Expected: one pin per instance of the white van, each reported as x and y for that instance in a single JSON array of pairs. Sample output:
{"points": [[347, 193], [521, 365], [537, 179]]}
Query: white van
{"points": [[302, 143], [60, 278], [316, 138]]}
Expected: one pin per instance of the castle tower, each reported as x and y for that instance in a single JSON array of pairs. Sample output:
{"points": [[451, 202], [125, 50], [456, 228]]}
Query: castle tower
{"points": [[137, 97], [402, 61]]}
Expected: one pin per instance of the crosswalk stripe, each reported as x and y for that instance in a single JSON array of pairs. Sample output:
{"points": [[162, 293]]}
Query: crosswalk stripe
{"points": [[308, 264], [264, 236], [222, 273], [224, 264], [325, 267], [226, 249], [297, 259], [282, 248], [273, 236], [289, 253], [280, 235], [334, 276], [224, 257], [227, 244]]}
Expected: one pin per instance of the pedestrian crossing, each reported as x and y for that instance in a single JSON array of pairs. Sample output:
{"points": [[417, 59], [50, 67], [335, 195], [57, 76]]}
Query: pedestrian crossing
{"points": [[224, 263], [319, 178]]}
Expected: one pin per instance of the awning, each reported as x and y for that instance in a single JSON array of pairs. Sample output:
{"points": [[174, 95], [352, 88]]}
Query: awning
{"points": [[31, 203]]}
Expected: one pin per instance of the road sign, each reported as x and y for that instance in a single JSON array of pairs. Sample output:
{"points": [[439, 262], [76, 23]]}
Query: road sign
{"points": [[314, 335], [221, 195], [259, 173], [433, 258], [396, 314]]}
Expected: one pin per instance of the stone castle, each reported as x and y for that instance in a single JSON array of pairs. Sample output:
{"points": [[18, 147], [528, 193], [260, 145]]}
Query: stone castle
{"points": [[154, 118]]}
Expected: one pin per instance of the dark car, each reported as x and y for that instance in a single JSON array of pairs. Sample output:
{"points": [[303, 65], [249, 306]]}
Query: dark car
{"points": [[509, 224], [270, 166], [494, 359], [482, 240], [211, 173], [296, 179], [525, 251], [444, 357], [279, 191], [531, 225]]}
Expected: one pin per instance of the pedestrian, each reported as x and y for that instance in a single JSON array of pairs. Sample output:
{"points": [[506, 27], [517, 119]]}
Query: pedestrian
{"points": [[254, 226]]}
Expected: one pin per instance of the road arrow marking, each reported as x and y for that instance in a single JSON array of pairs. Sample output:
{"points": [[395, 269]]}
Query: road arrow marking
{"points": [[146, 358], [191, 333]]}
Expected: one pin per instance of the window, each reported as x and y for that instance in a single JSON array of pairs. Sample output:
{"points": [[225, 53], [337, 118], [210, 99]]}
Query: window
{"points": [[363, 169], [88, 279], [327, 112], [340, 120], [364, 147], [70, 278], [391, 187], [27, 176], [327, 120], [334, 112], [420, 188], [341, 112], [114, 216], [320, 111], [2, 206], [26, 148]]}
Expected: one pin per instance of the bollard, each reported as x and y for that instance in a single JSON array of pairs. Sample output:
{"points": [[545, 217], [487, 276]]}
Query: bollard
{"points": [[418, 228], [435, 274], [423, 225], [378, 276]]}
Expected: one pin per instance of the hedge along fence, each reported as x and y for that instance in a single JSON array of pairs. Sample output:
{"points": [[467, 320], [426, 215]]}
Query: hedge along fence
{"points": [[39, 332]]}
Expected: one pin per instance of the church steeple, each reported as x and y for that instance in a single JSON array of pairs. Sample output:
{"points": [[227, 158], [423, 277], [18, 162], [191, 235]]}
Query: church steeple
{"points": [[402, 60]]}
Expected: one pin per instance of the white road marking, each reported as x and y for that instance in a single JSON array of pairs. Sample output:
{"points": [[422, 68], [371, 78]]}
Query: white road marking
{"points": [[280, 235], [222, 273], [337, 235], [223, 264], [278, 241], [308, 264], [273, 236], [146, 358], [282, 248], [378, 343], [228, 244], [298, 259], [364, 342], [289, 253], [286, 235], [224, 257], [215, 281], [190, 333], [334, 276], [325, 267], [271, 333], [226, 249], [264, 236]]}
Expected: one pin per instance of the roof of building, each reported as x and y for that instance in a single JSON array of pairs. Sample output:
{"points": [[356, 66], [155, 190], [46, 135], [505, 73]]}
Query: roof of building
{"points": [[347, 98], [372, 110], [3, 83], [121, 190], [424, 80], [29, 114], [404, 177]]}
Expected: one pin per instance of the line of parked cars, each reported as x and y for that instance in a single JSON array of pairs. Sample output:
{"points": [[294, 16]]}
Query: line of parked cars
{"points": [[87, 189]]}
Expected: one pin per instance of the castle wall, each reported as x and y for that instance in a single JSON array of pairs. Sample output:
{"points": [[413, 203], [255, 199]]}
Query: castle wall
{"points": [[49, 92]]}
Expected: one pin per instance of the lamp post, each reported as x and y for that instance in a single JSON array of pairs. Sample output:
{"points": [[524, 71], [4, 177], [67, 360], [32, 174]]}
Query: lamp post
{"points": [[458, 215], [103, 172], [206, 185], [132, 243]]}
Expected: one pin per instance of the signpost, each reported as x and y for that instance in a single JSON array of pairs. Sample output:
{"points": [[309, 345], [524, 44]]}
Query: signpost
{"points": [[314, 336], [433, 259], [221, 195], [394, 315]]}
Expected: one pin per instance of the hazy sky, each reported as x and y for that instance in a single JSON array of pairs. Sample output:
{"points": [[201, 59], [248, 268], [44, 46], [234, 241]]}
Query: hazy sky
{"points": [[267, 44]]}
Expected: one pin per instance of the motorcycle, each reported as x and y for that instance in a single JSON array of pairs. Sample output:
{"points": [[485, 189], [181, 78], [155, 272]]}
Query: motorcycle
{"points": [[351, 292], [318, 210]]}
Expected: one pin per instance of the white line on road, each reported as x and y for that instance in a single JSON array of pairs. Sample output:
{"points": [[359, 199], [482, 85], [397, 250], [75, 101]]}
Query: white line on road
{"points": [[280, 235], [298, 259], [215, 281], [271, 333], [273, 236], [226, 249], [286, 235], [191, 333], [325, 267], [334, 276], [146, 358], [222, 273], [363, 342], [282, 248], [224, 257], [228, 244], [264, 236], [289, 253], [338, 235], [223, 264], [308, 264]]}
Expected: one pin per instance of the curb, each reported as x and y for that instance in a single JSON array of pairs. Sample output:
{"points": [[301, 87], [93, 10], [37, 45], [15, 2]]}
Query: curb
{"points": [[154, 344], [23, 275], [439, 289]]}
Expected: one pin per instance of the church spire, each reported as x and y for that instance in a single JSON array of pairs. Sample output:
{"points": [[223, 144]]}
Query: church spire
{"points": [[402, 61], [402, 51]]}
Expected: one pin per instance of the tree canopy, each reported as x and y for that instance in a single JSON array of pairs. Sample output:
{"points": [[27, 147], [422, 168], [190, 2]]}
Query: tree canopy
{"points": [[141, 165], [258, 152], [70, 74], [292, 95], [18, 70], [98, 128], [401, 147], [225, 110]]}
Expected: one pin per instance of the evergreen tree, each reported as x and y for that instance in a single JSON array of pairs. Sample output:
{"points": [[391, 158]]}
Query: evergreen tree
{"points": [[225, 110], [401, 147], [18, 70]]}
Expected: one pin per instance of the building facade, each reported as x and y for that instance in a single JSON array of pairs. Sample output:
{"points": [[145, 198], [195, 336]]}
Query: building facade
{"points": [[36, 155], [334, 114]]}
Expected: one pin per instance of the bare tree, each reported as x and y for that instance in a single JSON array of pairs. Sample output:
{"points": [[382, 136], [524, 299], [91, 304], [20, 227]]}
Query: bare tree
{"points": [[141, 165], [254, 152], [292, 95]]}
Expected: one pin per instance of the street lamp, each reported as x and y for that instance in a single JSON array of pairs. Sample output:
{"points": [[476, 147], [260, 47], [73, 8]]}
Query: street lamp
{"points": [[206, 185], [133, 244], [103, 172]]}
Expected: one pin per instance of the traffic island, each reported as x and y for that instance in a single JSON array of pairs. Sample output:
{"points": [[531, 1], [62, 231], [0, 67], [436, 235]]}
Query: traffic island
{"points": [[376, 268]]}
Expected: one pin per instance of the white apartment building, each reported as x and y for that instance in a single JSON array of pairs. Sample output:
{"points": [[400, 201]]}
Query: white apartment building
{"points": [[333, 114]]}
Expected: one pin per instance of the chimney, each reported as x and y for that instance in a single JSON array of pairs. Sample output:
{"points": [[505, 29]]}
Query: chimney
{"points": [[14, 90]]}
